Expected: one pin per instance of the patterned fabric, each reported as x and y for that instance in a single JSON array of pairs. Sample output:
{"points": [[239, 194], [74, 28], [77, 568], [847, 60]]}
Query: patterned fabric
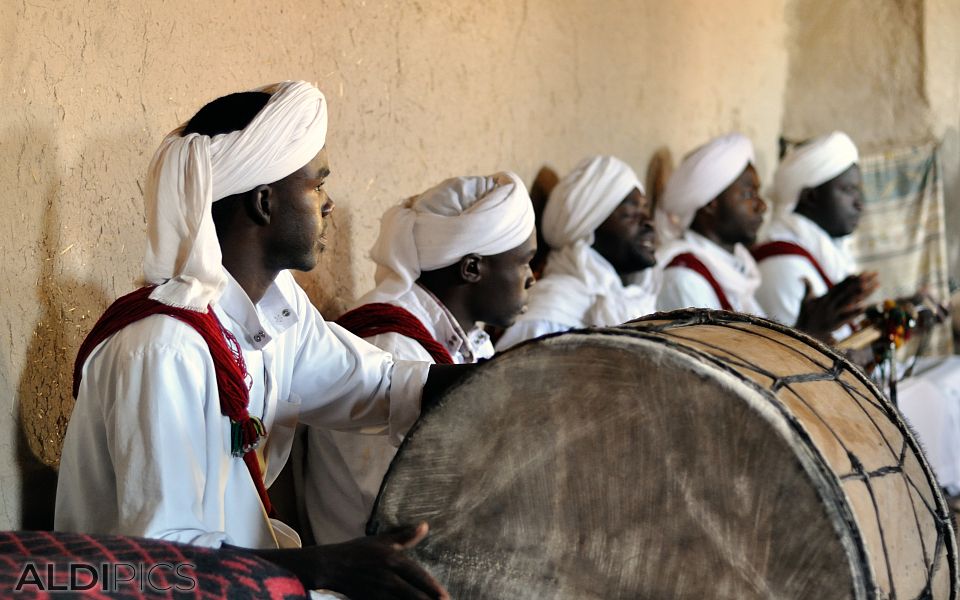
{"points": [[902, 233], [47, 564]]}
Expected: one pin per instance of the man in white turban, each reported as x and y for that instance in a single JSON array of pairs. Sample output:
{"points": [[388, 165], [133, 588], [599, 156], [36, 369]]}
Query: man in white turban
{"points": [[598, 225], [819, 200], [448, 261], [709, 214], [188, 390]]}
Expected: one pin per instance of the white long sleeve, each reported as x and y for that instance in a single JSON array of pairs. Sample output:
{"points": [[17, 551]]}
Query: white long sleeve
{"points": [[147, 451]]}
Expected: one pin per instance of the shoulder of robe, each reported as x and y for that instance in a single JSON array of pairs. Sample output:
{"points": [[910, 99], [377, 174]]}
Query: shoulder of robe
{"points": [[156, 334]]}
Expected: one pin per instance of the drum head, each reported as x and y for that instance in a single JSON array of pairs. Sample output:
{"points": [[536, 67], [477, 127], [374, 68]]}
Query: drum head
{"points": [[612, 465]]}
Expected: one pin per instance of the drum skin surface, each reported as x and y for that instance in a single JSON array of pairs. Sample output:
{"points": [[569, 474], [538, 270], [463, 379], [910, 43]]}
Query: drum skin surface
{"points": [[692, 454]]}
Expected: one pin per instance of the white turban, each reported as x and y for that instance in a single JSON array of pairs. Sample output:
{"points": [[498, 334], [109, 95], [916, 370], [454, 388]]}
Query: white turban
{"points": [[189, 173], [701, 177], [461, 216], [584, 199], [579, 285], [810, 165]]}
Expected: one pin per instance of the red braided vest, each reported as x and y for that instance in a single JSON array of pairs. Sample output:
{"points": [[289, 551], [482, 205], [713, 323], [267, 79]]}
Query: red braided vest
{"points": [[379, 317]]}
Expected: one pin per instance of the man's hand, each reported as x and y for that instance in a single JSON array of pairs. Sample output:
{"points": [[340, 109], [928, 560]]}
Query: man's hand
{"points": [[841, 304], [370, 567], [441, 378]]}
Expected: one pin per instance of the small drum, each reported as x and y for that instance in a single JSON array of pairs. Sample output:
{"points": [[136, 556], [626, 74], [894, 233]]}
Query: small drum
{"points": [[694, 454]]}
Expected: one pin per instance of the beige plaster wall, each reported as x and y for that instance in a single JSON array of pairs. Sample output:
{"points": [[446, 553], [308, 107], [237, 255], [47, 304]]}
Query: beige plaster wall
{"points": [[418, 91], [887, 73], [942, 82], [857, 66]]}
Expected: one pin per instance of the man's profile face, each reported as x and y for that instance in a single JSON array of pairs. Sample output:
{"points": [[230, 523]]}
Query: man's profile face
{"points": [[740, 209], [838, 203], [299, 210], [500, 296], [626, 238]]}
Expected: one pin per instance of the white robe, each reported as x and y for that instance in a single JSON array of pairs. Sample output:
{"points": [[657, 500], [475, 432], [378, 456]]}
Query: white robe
{"points": [[568, 297], [782, 288], [147, 450], [343, 470], [736, 273]]}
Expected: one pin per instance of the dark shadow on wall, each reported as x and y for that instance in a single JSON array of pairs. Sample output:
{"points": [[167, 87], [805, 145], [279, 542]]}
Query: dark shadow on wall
{"points": [[659, 170], [68, 310], [540, 189]]}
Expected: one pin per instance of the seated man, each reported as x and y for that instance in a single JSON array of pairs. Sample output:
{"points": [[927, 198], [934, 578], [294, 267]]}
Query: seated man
{"points": [[597, 223], [710, 214], [188, 390], [819, 200], [448, 261]]}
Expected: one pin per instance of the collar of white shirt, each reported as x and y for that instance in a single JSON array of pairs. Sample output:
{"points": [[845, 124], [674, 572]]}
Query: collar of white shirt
{"points": [[260, 323], [443, 326]]}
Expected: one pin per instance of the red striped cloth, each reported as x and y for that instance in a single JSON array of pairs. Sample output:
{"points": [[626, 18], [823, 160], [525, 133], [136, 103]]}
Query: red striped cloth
{"points": [[688, 261]]}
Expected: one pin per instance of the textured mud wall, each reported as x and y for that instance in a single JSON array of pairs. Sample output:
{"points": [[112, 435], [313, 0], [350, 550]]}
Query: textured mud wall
{"points": [[418, 91], [856, 65], [887, 73], [942, 53]]}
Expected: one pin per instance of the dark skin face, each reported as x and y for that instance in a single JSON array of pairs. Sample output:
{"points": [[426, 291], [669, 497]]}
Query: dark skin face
{"points": [[626, 238], [735, 216], [491, 289], [281, 226], [836, 205], [299, 220], [501, 282]]}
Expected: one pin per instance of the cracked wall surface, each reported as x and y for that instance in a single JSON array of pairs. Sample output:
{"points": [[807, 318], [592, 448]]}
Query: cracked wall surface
{"points": [[418, 91]]}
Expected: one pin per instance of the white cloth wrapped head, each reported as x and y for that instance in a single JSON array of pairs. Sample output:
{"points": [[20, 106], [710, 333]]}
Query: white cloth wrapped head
{"points": [[460, 216], [812, 164], [701, 177], [579, 286], [189, 173], [583, 199]]}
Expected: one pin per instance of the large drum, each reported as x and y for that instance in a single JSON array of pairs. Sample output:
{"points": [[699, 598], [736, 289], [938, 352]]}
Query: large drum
{"points": [[695, 454]]}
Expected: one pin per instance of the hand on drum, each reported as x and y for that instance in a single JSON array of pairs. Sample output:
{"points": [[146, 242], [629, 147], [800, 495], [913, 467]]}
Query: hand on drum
{"points": [[369, 567], [844, 302]]}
